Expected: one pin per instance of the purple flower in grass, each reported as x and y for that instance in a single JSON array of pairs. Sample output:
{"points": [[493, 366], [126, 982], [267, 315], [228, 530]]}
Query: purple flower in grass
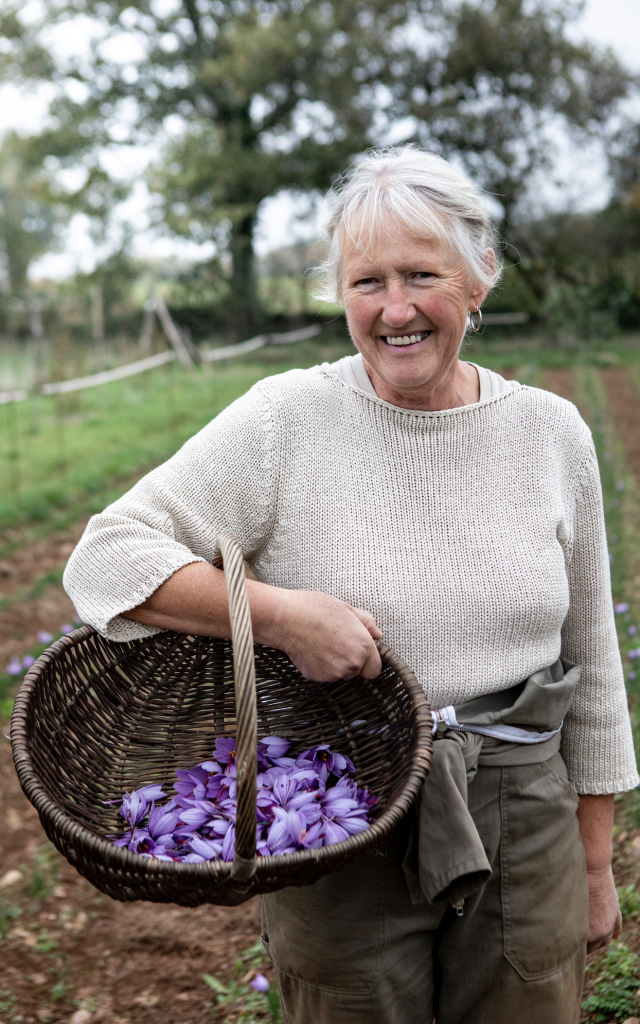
{"points": [[260, 983], [28, 661], [66, 628], [44, 637], [620, 609], [14, 668]]}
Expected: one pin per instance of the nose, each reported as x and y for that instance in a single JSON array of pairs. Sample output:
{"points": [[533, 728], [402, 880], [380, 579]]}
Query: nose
{"points": [[398, 307]]}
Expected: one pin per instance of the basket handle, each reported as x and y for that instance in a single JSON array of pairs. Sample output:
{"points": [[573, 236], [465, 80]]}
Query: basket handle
{"points": [[244, 673]]}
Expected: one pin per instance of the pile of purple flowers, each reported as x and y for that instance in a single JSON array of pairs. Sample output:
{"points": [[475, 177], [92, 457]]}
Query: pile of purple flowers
{"points": [[303, 803]]}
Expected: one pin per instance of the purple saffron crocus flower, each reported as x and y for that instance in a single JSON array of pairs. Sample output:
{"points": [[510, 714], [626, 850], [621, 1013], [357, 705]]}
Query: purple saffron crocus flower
{"points": [[198, 815], [161, 822], [325, 762], [272, 748], [298, 807], [133, 808], [28, 661], [14, 668], [206, 848], [152, 792], [334, 833], [225, 749], [66, 628], [620, 609], [44, 637], [260, 983], [229, 844]]}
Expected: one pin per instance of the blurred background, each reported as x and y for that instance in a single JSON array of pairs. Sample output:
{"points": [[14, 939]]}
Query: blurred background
{"points": [[162, 170]]}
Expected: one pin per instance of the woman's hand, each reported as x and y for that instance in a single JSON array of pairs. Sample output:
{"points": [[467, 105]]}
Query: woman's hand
{"points": [[326, 639], [595, 815], [605, 919]]}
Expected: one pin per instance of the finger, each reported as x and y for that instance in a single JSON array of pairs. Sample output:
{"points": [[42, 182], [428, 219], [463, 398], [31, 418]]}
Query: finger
{"points": [[372, 666], [368, 621], [617, 929]]}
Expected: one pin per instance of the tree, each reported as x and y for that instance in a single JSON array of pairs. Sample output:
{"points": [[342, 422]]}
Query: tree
{"points": [[29, 214], [507, 75], [263, 95]]}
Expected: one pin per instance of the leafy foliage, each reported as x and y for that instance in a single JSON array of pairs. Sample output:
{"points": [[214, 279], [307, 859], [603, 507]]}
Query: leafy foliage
{"points": [[42, 874], [616, 985], [264, 95], [254, 1007], [629, 901], [8, 914]]}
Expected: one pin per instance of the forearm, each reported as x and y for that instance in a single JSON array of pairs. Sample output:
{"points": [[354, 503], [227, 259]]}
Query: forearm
{"points": [[595, 815], [325, 638], [194, 600]]}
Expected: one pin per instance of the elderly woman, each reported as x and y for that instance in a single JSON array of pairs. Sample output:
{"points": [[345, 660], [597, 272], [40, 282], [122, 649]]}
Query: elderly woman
{"points": [[406, 493]]}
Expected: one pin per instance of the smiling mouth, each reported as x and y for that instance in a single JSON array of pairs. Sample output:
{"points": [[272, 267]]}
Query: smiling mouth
{"points": [[402, 340]]}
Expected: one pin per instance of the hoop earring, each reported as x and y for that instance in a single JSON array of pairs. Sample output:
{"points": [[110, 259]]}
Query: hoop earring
{"points": [[475, 326]]}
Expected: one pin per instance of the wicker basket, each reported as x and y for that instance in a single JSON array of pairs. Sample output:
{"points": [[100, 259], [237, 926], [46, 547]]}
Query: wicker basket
{"points": [[95, 718]]}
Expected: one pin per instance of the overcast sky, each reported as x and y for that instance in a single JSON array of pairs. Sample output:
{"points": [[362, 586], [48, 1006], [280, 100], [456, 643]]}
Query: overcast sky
{"points": [[614, 23]]}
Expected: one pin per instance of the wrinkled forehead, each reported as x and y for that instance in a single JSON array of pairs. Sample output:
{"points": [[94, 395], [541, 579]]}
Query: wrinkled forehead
{"points": [[373, 240]]}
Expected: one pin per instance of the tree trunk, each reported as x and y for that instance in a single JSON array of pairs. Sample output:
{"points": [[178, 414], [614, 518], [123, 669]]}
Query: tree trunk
{"points": [[246, 315]]}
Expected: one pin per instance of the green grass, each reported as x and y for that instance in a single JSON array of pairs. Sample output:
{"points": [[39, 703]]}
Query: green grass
{"points": [[617, 980], [72, 454]]}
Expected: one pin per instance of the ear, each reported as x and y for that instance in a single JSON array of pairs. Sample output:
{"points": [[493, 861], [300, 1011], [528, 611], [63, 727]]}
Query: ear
{"points": [[480, 292]]}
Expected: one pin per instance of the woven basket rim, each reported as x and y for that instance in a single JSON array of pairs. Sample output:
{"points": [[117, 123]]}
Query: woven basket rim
{"points": [[119, 858]]}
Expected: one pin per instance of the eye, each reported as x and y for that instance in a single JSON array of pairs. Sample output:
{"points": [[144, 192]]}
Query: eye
{"points": [[422, 275], [366, 280]]}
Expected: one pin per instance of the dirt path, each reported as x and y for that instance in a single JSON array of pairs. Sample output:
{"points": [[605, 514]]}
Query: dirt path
{"points": [[624, 409], [31, 594], [70, 947], [560, 382]]}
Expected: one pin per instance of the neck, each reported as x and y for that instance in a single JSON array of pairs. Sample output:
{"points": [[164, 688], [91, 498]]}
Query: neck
{"points": [[460, 386]]}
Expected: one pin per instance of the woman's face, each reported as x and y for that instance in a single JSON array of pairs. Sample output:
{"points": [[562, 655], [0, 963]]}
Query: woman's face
{"points": [[407, 308]]}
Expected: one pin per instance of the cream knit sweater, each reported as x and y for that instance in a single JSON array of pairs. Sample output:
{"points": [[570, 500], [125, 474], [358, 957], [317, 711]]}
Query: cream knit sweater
{"points": [[475, 536]]}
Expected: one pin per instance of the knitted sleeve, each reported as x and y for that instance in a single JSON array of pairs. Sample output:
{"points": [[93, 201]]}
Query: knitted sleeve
{"points": [[221, 478], [597, 739]]}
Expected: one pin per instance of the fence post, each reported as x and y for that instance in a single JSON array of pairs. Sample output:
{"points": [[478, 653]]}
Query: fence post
{"points": [[37, 354], [97, 327]]}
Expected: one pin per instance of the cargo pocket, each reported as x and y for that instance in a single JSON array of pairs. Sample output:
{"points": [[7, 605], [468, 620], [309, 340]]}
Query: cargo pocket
{"points": [[331, 934], [545, 900]]}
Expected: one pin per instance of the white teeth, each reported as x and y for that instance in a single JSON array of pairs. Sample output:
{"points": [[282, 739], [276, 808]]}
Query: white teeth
{"points": [[406, 339]]}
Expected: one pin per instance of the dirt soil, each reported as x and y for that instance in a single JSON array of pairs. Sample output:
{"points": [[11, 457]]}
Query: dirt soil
{"points": [[560, 382], [25, 571], [623, 402], [71, 948]]}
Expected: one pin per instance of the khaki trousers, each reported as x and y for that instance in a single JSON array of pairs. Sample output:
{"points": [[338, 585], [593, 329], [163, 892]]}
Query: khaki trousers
{"points": [[352, 949]]}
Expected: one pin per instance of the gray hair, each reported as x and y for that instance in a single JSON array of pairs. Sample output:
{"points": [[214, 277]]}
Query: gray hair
{"points": [[416, 190]]}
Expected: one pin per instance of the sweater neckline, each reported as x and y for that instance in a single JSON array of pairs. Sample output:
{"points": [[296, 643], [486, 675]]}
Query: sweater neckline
{"points": [[457, 411]]}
